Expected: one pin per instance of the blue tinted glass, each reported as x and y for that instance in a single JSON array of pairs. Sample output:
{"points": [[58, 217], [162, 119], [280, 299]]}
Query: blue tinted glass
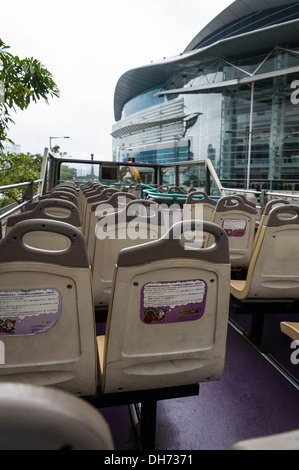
{"points": [[165, 155], [142, 101]]}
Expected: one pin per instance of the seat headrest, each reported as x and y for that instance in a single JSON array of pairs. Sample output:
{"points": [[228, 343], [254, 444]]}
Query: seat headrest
{"points": [[171, 246], [13, 248]]}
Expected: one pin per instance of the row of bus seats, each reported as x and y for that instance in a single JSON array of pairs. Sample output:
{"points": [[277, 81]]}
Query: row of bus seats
{"points": [[234, 213], [272, 278], [140, 221], [237, 216], [135, 189], [150, 318], [268, 255], [104, 244], [271, 256], [166, 195], [43, 417], [229, 212], [159, 289]]}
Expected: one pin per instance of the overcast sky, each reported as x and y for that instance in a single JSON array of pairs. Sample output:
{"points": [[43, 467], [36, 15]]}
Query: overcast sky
{"points": [[87, 46]]}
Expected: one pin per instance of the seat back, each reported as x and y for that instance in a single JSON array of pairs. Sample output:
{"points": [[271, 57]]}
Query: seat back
{"points": [[102, 194], [45, 418], [163, 189], [83, 189], [264, 216], [135, 189], [201, 208], [62, 194], [238, 220], [48, 209], [115, 231], [168, 315], [176, 190], [282, 441], [89, 196], [46, 310], [71, 188], [111, 201], [57, 194], [273, 270]]}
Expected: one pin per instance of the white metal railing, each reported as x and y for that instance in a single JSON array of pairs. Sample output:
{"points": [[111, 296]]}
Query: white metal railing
{"points": [[30, 193]]}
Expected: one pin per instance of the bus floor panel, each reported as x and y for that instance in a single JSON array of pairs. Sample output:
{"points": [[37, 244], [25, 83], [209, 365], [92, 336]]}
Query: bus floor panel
{"points": [[252, 399], [273, 341]]}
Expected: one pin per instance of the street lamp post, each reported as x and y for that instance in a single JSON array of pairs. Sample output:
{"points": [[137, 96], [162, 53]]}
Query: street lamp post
{"points": [[92, 169]]}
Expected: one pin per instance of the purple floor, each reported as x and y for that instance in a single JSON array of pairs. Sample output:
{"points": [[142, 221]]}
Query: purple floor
{"points": [[251, 399], [274, 341]]}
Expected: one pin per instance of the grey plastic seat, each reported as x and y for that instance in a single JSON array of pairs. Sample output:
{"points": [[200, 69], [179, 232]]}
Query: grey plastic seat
{"points": [[83, 189], [101, 193], [109, 201], [168, 314], [68, 187], [270, 205], [90, 196], [117, 230], [238, 220], [58, 193], [273, 269], [201, 208], [44, 418], [163, 189], [49, 337], [47, 312], [48, 209], [272, 280], [135, 189], [282, 441]]}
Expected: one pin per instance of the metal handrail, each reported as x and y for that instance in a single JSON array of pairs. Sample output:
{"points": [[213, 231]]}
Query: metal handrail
{"points": [[30, 187], [271, 193], [263, 191], [13, 210], [17, 208], [19, 185]]}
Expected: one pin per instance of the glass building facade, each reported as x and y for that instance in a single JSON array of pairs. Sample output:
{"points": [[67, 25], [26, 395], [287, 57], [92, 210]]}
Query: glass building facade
{"points": [[241, 110]]}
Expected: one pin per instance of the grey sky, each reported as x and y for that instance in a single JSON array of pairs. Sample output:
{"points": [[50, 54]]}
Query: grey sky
{"points": [[87, 46]]}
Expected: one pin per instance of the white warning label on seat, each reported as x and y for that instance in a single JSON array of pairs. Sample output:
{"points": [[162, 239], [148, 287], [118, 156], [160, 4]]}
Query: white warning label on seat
{"points": [[28, 312], [234, 227], [171, 302]]}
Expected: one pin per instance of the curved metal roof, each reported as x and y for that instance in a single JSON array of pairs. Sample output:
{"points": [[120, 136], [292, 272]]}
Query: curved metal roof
{"points": [[152, 75], [237, 10]]}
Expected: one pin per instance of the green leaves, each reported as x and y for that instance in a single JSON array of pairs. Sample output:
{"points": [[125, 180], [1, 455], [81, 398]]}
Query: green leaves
{"points": [[17, 169], [24, 80]]}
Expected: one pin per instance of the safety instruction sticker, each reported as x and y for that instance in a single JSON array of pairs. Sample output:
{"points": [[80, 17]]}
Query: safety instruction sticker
{"points": [[28, 312], [234, 227], [172, 302]]}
